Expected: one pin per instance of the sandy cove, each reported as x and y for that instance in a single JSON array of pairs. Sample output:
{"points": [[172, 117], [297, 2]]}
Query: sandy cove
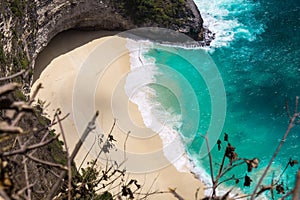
{"points": [[58, 81]]}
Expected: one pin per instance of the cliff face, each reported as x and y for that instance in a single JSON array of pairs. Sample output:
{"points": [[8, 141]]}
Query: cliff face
{"points": [[26, 26]]}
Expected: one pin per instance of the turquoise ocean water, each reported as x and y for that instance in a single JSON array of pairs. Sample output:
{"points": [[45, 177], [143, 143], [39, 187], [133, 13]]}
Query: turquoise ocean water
{"points": [[257, 52]]}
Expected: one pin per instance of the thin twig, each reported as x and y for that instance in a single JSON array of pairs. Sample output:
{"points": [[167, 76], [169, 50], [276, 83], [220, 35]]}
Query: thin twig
{"points": [[210, 158], [100, 152], [27, 179], [196, 193], [13, 75], [4, 195], [68, 156], [20, 114], [25, 188], [90, 127], [25, 149], [125, 143], [86, 155], [7, 88], [230, 167], [46, 162], [291, 125]]}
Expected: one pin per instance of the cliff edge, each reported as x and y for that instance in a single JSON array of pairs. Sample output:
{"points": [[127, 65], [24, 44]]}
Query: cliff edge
{"points": [[26, 27]]}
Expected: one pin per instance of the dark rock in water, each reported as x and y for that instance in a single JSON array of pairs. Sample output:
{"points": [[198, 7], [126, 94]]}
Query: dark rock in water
{"points": [[26, 27]]}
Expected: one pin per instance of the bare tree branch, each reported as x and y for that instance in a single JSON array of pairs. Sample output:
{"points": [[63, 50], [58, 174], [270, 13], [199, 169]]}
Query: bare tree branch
{"points": [[68, 155], [46, 162], [25, 149], [210, 160], [89, 128], [27, 179], [7, 88], [13, 75], [291, 125], [4, 195]]}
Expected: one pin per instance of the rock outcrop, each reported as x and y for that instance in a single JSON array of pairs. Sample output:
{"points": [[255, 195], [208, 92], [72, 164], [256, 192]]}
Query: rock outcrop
{"points": [[26, 27]]}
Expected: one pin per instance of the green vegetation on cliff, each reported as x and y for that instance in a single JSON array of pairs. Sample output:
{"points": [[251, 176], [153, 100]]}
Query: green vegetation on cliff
{"points": [[164, 12]]}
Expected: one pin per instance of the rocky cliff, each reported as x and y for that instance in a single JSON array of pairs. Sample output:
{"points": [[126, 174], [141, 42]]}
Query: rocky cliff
{"points": [[26, 26]]}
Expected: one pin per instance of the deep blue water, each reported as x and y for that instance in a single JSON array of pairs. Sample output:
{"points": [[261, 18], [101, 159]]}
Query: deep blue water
{"points": [[257, 52]]}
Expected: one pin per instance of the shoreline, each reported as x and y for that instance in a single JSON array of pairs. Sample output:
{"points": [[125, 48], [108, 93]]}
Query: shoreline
{"points": [[59, 79]]}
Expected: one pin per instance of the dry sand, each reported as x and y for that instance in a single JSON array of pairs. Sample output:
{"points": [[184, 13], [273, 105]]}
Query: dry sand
{"points": [[58, 81]]}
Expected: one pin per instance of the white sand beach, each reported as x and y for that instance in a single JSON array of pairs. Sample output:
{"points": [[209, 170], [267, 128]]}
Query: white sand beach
{"points": [[58, 80]]}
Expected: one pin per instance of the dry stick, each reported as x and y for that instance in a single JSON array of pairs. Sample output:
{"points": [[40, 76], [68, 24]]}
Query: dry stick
{"points": [[13, 75], [216, 184], [68, 156], [19, 116], [296, 190], [89, 128], [154, 181], [282, 173], [4, 195], [125, 142], [25, 188], [86, 155], [25, 149], [196, 194], [228, 179], [231, 167], [210, 160], [27, 179], [291, 125], [46, 162], [9, 87], [101, 150]]}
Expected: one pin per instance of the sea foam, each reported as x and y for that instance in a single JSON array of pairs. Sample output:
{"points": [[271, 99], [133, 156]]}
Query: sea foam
{"points": [[221, 18], [139, 91], [163, 122], [173, 146]]}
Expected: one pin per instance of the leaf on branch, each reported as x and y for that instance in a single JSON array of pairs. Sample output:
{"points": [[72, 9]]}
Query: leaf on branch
{"points": [[247, 181], [219, 145], [292, 162], [111, 138], [230, 153], [126, 191], [280, 189], [252, 164], [226, 137]]}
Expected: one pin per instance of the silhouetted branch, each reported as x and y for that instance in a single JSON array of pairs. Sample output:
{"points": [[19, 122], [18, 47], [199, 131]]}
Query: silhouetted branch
{"points": [[291, 125], [89, 128], [197, 193], [175, 194]]}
